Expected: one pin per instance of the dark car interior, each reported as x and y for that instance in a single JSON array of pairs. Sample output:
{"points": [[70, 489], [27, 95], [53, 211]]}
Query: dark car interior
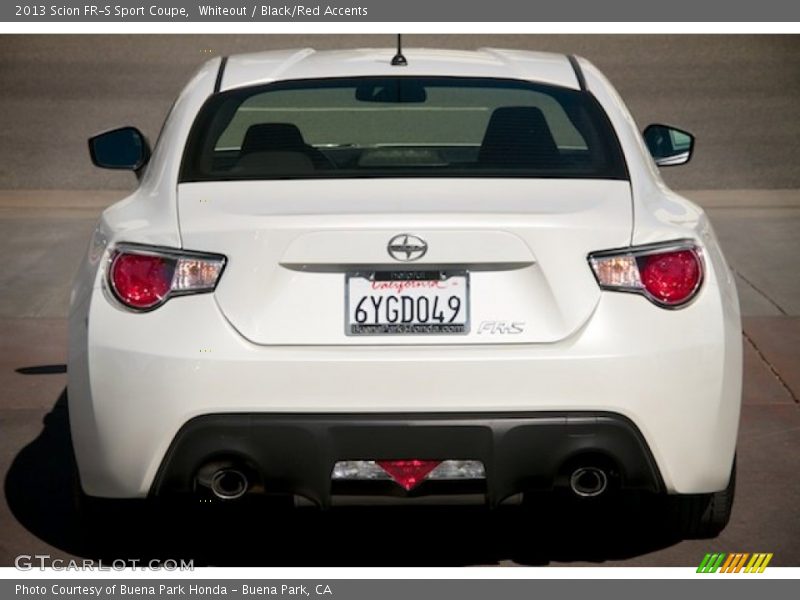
{"points": [[516, 137]]}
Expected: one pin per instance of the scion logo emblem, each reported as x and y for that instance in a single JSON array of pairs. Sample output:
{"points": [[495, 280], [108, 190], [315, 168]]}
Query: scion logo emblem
{"points": [[407, 247]]}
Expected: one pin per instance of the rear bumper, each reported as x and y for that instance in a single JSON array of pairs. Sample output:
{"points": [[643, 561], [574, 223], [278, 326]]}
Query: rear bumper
{"points": [[295, 454], [136, 381]]}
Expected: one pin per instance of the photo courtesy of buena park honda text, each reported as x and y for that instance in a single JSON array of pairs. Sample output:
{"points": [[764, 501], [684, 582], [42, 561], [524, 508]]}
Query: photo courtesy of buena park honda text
{"points": [[363, 299]]}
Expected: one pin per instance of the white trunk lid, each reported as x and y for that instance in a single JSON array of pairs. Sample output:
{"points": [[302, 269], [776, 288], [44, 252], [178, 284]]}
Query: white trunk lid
{"points": [[290, 245]]}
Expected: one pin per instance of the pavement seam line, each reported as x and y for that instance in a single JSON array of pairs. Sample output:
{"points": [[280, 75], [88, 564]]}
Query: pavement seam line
{"points": [[774, 371], [759, 291]]}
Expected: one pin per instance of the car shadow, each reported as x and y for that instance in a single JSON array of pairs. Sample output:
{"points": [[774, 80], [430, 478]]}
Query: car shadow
{"points": [[39, 491]]}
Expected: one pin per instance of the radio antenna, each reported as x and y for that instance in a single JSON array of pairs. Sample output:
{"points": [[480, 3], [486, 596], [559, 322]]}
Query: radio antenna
{"points": [[399, 60]]}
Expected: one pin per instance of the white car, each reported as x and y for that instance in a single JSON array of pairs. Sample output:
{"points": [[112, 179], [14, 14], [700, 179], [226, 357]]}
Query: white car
{"points": [[448, 274]]}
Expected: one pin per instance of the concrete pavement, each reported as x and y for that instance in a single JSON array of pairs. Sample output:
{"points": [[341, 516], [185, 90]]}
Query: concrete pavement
{"points": [[42, 235]]}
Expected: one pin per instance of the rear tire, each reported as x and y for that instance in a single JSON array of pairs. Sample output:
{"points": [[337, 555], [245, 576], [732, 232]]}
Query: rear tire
{"points": [[700, 516]]}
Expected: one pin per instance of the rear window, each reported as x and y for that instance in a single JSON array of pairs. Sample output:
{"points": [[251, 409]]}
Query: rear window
{"points": [[401, 127]]}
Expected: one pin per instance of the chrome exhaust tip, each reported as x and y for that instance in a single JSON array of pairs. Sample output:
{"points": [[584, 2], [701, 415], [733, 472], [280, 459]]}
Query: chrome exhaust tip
{"points": [[229, 484], [588, 482]]}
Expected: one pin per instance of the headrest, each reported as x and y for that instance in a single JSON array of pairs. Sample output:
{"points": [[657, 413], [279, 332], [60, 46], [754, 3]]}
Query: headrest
{"points": [[518, 136], [264, 137]]}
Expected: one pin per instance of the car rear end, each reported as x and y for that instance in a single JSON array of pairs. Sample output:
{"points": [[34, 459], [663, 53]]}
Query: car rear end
{"points": [[386, 289]]}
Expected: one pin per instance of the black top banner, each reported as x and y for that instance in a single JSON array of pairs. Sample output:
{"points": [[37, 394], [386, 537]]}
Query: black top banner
{"points": [[403, 11]]}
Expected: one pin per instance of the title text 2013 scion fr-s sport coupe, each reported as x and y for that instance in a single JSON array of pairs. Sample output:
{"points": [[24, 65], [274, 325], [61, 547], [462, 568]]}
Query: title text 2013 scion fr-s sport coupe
{"points": [[453, 274]]}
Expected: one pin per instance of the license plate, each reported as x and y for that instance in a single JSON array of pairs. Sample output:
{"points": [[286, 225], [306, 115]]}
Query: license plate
{"points": [[407, 303]]}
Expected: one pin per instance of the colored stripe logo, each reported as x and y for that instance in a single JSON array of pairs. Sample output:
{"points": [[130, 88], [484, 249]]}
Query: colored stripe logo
{"points": [[739, 562]]}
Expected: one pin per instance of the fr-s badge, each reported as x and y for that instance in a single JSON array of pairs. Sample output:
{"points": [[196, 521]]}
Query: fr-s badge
{"points": [[501, 327]]}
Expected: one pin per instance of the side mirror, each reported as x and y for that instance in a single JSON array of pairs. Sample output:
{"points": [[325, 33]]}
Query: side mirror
{"points": [[669, 146], [123, 148]]}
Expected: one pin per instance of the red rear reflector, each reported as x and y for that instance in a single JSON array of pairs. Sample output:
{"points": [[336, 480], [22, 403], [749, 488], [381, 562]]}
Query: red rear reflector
{"points": [[671, 277], [408, 473], [140, 280]]}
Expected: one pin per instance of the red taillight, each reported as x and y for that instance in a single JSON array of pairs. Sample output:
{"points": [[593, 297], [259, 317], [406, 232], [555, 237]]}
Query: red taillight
{"points": [[141, 281], [144, 277], [408, 473], [671, 278], [669, 274]]}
